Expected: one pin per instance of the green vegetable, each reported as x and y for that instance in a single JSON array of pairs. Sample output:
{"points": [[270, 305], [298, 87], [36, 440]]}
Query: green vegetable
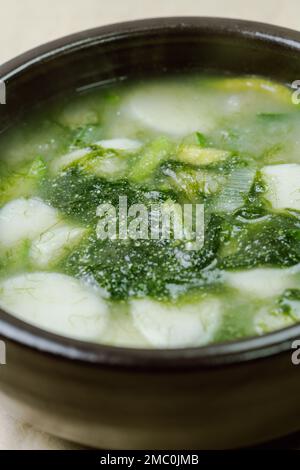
{"points": [[102, 162], [149, 159], [193, 183], [270, 240], [78, 194], [195, 155], [259, 85], [22, 183], [201, 139], [15, 259], [232, 196], [156, 268], [289, 303]]}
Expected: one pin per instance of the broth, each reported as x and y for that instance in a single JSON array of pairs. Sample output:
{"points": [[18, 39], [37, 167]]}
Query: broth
{"points": [[226, 144]]}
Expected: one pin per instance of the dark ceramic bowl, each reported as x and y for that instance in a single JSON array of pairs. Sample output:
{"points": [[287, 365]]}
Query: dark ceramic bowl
{"points": [[219, 396]]}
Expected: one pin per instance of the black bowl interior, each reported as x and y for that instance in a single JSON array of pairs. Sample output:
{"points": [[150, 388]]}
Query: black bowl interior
{"points": [[150, 47]]}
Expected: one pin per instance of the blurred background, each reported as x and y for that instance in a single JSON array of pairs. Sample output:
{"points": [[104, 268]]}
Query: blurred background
{"points": [[28, 23]]}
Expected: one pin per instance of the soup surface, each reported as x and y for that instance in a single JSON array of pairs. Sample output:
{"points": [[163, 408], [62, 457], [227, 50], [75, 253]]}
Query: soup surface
{"points": [[95, 242]]}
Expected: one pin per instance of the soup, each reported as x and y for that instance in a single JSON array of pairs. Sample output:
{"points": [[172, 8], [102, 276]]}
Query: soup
{"points": [[151, 274]]}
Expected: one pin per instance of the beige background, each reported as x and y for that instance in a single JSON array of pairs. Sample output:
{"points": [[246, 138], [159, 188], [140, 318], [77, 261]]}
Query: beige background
{"points": [[27, 23]]}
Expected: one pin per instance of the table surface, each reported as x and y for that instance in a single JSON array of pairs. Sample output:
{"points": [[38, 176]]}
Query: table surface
{"points": [[29, 23]]}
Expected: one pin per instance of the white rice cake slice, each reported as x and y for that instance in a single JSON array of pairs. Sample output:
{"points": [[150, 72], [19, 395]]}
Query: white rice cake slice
{"points": [[55, 302], [168, 108], [121, 330], [267, 321], [283, 185], [129, 145], [261, 282], [52, 244], [25, 219], [62, 162], [171, 326]]}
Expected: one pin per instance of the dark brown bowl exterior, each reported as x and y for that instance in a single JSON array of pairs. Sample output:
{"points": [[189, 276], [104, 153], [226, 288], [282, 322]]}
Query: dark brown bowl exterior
{"points": [[219, 396]]}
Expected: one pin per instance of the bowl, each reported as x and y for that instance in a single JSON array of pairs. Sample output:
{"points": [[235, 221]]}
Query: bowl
{"points": [[219, 396]]}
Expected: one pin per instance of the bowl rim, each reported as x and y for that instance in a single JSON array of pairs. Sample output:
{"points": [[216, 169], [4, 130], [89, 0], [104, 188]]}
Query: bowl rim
{"points": [[140, 359]]}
